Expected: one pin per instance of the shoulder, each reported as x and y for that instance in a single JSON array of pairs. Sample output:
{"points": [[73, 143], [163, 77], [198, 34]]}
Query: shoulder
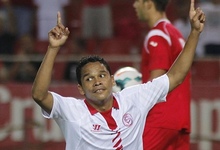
{"points": [[66, 100], [160, 29], [157, 34]]}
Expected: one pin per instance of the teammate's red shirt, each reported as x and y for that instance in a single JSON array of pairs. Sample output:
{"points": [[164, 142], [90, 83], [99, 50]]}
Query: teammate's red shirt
{"points": [[161, 47]]}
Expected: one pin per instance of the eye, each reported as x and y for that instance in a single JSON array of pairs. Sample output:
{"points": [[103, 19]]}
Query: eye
{"points": [[102, 75], [89, 79]]}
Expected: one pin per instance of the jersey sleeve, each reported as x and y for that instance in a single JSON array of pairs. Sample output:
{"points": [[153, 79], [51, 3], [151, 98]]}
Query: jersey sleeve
{"points": [[157, 45], [159, 50], [55, 109], [146, 95], [155, 91], [62, 106]]}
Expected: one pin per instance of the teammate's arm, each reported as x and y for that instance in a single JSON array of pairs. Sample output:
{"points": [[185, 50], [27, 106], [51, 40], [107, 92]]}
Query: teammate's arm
{"points": [[57, 37], [183, 63]]}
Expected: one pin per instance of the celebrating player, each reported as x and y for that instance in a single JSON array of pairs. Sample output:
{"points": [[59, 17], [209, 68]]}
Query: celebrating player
{"points": [[107, 120]]}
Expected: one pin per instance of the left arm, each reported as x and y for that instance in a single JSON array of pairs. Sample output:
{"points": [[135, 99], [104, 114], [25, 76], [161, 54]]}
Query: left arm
{"points": [[181, 66]]}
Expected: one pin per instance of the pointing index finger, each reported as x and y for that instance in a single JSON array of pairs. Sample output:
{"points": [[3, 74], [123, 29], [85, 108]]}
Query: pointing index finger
{"points": [[192, 5], [58, 18]]}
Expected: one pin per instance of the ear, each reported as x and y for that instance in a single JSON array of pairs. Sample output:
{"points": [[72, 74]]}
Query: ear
{"points": [[113, 80], [81, 91], [148, 4]]}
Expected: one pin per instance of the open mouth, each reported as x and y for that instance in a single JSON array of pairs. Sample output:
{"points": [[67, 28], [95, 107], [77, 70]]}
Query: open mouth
{"points": [[99, 91]]}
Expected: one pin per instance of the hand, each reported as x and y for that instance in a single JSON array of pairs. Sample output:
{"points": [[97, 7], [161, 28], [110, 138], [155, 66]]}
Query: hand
{"points": [[59, 34], [197, 17]]}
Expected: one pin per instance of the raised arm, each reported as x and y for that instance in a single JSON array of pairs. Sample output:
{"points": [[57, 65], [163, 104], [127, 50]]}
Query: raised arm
{"points": [[183, 63], [57, 37]]}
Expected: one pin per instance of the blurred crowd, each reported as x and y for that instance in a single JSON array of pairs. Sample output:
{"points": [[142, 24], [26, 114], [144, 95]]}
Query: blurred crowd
{"points": [[209, 43], [24, 27]]}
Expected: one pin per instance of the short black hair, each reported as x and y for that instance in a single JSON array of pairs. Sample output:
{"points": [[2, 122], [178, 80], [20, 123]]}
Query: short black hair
{"points": [[87, 59], [161, 5]]}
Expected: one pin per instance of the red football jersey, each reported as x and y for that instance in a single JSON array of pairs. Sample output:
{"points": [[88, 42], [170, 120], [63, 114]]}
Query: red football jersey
{"points": [[161, 47]]}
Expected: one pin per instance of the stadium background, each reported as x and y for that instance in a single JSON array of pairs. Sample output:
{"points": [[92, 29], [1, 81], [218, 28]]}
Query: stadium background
{"points": [[23, 128]]}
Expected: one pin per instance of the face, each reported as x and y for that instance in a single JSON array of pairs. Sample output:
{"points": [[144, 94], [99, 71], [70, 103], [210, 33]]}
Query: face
{"points": [[139, 6], [97, 83]]}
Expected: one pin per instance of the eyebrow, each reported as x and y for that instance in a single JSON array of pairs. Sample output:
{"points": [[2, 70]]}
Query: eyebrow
{"points": [[87, 74]]}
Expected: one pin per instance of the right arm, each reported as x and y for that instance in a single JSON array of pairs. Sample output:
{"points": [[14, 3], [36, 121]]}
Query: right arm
{"points": [[57, 37]]}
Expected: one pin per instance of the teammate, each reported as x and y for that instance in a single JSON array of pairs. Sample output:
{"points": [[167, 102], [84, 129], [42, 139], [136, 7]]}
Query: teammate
{"points": [[168, 124], [106, 120]]}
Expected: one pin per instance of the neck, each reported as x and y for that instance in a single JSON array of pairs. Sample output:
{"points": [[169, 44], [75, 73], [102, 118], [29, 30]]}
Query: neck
{"points": [[102, 105], [155, 18]]}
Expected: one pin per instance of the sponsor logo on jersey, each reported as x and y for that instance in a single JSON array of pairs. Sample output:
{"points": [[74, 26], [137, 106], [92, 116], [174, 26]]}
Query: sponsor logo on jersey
{"points": [[154, 44], [96, 128]]}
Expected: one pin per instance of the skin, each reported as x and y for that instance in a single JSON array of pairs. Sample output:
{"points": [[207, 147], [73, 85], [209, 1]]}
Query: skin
{"points": [[57, 37], [183, 63], [147, 12], [97, 82]]}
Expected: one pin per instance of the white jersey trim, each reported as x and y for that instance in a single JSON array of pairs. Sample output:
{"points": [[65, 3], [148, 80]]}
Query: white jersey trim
{"points": [[156, 32]]}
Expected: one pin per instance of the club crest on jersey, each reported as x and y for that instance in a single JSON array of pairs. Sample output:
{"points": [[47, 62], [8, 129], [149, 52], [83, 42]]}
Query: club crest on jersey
{"points": [[127, 120]]}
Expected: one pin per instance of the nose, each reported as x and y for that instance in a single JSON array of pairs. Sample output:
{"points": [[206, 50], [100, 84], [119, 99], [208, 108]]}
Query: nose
{"points": [[97, 82]]}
